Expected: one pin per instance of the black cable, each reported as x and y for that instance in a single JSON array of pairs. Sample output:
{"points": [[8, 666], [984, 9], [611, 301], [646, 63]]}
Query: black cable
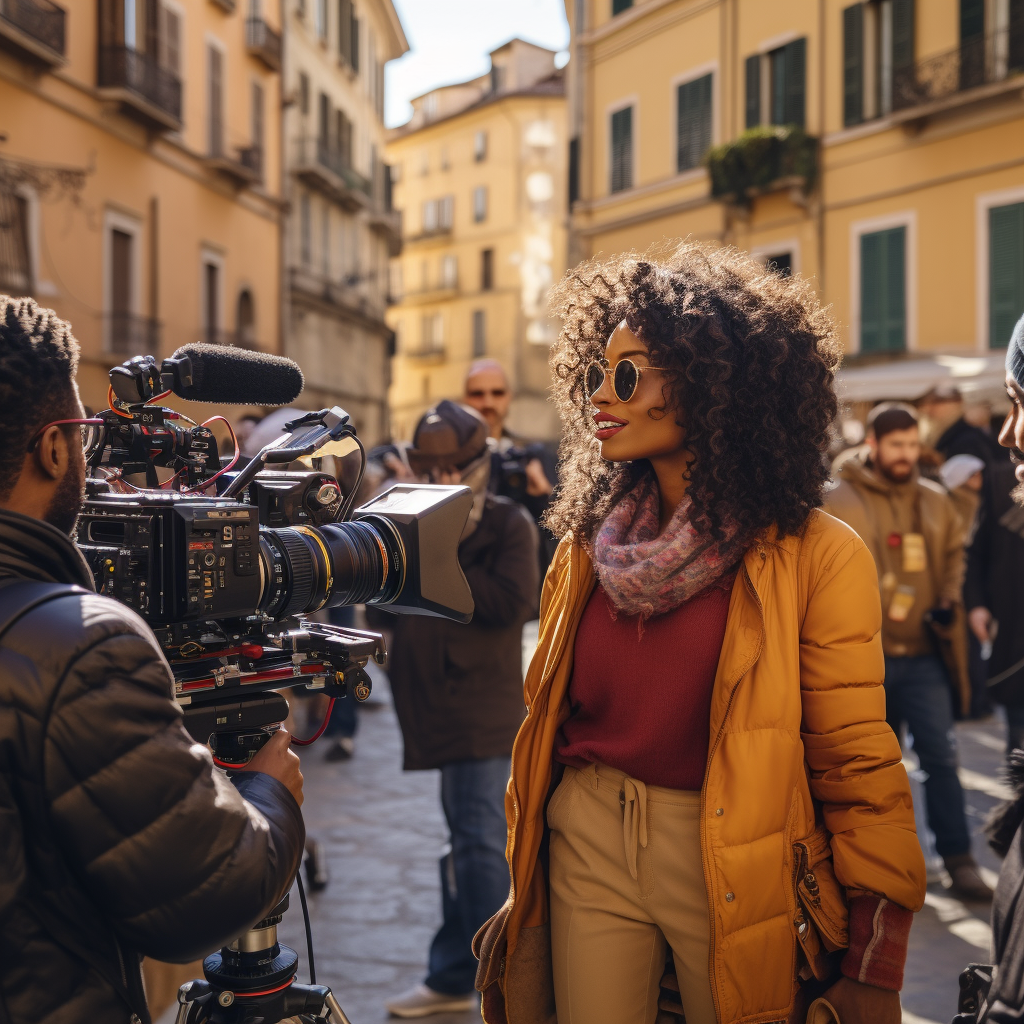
{"points": [[350, 499], [309, 931]]}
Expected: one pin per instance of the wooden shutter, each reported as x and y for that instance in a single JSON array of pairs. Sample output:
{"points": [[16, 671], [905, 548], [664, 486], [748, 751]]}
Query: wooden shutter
{"points": [[622, 150], [902, 34], [618, 6], [1006, 272], [479, 333], [853, 64], [354, 59], [693, 122], [1015, 54], [972, 19], [170, 40], [486, 269], [15, 265], [883, 291], [345, 30], [753, 90], [324, 122], [216, 99], [795, 83], [574, 170]]}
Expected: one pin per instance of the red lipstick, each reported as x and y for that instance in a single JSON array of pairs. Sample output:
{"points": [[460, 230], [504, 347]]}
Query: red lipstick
{"points": [[607, 425]]}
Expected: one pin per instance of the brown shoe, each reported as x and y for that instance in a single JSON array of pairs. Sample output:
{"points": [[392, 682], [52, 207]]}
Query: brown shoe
{"points": [[967, 883]]}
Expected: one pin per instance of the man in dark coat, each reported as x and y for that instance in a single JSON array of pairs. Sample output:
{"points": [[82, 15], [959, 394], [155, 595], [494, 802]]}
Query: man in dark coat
{"points": [[118, 837], [994, 594], [1003, 1003], [458, 692]]}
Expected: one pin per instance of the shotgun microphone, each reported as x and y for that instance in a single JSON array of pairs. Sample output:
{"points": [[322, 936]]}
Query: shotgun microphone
{"points": [[235, 376]]}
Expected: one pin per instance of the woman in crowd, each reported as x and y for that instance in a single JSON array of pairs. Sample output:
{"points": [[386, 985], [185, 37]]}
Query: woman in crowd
{"points": [[705, 778]]}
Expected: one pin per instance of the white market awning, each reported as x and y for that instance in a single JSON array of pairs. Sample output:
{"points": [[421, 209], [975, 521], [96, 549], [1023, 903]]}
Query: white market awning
{"points": [[979, 378]]}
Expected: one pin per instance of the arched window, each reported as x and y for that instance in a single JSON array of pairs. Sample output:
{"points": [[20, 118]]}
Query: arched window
{"points": [[245, 320]]}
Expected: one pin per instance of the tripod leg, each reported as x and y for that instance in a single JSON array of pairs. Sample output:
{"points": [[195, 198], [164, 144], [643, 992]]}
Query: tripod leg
{"points": [[338, 1015]]}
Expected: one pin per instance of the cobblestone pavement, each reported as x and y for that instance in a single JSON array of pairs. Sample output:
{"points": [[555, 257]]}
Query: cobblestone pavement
{"points": [[384, 833]]}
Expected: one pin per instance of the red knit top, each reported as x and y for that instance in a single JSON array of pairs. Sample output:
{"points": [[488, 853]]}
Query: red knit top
{"points": [[641, 698]]}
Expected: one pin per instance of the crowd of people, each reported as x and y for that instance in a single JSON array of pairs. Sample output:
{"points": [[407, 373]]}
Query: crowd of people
{"points": [[694, 805]]}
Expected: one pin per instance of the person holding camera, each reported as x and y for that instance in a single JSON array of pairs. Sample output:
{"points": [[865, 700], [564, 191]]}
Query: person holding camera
{"points": [[518, 470], [705, 778], [916, 537], [458, 692], [118, 837]]}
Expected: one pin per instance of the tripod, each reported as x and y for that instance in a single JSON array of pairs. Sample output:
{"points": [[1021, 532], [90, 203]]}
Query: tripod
{"points": [[253, 980]]}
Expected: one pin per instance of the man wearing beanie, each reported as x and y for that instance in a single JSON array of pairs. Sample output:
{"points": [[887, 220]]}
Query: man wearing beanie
{"points": [[915, 535], [458, 692]]}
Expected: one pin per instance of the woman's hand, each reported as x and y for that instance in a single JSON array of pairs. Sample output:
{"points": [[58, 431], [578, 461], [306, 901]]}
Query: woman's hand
{"points": [[857, 1003], [980, 621]]}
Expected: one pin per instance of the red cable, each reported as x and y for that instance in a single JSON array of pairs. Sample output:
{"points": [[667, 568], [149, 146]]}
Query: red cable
{"points": [[320, 731], [229, 466]]}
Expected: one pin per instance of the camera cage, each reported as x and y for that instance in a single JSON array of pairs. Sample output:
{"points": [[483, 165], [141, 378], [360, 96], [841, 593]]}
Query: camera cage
{"points": [[226, 671]]}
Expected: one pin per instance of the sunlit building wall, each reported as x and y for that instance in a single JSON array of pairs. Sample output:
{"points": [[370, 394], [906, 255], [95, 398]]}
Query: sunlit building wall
{"points": [[341, 227], [905, 208], [479, 176], [140, 187]]}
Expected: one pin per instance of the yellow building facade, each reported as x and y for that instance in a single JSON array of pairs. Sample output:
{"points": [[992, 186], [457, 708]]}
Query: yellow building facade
{"points": [[341, 229], [900, 190], [479, 176], [140, 172]]}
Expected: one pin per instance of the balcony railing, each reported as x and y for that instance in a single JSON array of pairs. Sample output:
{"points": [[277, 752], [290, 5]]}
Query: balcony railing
{"points": [[424, 352], [244, 168], [128, 334], [325, 167], [762, 159], [343, 294], [264, 42], [144, 88], [35, 27], [983, 60]]}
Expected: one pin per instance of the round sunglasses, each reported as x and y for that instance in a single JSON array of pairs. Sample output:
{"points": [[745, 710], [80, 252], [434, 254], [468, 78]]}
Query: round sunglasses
{"points": [[625, 377]]}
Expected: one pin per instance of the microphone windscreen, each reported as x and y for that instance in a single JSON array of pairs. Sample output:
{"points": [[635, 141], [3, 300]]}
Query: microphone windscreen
{"points": [[238, 376]]}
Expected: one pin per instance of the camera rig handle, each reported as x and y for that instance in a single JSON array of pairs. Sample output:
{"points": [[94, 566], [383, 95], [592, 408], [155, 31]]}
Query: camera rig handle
{"points": [[321, 428]]}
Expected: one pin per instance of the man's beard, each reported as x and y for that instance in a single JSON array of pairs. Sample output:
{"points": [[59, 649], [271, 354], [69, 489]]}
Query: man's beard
{"points": [[67, 501], [896, 472]]}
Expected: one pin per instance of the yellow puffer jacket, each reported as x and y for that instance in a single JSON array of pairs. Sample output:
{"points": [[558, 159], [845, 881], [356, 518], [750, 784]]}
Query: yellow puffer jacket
{"points": [[803, 777]]}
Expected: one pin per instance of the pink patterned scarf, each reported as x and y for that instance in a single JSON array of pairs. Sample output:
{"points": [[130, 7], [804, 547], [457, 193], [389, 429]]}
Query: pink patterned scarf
{"points": [[644, 574]]}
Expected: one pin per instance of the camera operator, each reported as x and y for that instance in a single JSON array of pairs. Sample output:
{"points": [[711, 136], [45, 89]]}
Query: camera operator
{"points": [[118, 837], [518, 470], [458, 692]]}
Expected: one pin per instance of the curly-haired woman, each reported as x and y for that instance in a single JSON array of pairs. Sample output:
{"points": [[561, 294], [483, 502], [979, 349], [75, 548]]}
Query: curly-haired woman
{"points": [[705, 769]]}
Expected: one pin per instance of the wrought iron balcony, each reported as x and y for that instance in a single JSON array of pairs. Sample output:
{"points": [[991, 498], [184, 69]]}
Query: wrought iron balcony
{"points": [[344, 294], [34, 29], [264, 42], [128, 334], [145, 90], [325, 167], [988, 60], [244, 168]]}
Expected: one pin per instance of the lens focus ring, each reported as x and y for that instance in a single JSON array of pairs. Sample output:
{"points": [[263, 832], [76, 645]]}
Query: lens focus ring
{"points": [[301, 570]]}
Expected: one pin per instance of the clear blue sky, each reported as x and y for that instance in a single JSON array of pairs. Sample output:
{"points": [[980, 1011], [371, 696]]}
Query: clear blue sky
{"points": [[449, 41]]}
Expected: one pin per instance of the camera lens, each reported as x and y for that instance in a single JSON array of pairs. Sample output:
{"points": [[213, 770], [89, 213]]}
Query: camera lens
{"points": [[305, 568]]}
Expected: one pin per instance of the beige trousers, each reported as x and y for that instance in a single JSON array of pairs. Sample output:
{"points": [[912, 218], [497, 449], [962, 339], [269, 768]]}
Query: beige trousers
{"points": [[625, 879]]}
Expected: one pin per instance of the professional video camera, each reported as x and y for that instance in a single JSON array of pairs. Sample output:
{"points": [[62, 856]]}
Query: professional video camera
{"points": [[510, 466], [224, 564]]}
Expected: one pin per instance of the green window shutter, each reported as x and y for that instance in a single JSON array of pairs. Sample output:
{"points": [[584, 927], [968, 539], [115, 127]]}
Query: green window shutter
{"points": [[853, 64], [883, 305], [1015, 61], [1006, 272], [902, 34], [753, 92], [618, 6], [693, 122], [972, 19], [622, 150], [795, 86]]}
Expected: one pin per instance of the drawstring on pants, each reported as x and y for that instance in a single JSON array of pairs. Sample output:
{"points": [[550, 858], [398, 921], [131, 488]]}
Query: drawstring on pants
{"points": [[634, 821]]}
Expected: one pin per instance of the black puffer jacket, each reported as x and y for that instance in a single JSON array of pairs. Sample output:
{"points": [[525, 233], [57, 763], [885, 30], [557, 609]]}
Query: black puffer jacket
{"points": [[118, 837]]}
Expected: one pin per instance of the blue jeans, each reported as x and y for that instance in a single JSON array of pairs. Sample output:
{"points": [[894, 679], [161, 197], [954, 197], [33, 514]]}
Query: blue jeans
{"points": [[917, 693], [474, 873]]}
